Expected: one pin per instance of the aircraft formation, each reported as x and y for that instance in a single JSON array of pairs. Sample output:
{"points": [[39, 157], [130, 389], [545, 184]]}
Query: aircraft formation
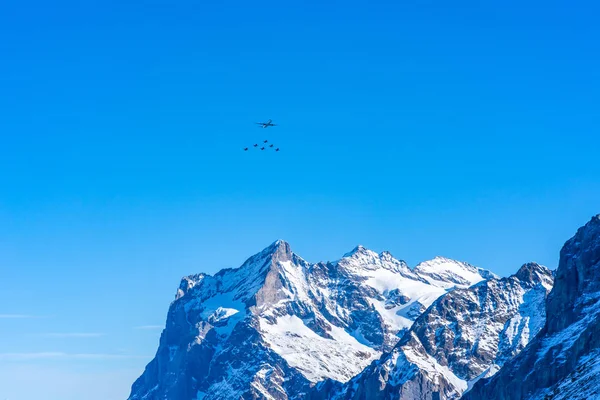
{"points": [[265, 144]]}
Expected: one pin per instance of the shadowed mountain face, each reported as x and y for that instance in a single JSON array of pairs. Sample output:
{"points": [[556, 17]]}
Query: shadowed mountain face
{"points": [[278, 325], [562, 361]]}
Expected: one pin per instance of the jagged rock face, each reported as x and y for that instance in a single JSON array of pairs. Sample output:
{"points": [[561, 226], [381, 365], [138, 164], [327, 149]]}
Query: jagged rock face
{"points": [[561, 362], [464, 335], [210, 335], [274, 327]]}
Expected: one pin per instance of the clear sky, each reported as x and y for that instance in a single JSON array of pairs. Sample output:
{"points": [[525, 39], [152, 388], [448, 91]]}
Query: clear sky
{"points": [[465, 129]]}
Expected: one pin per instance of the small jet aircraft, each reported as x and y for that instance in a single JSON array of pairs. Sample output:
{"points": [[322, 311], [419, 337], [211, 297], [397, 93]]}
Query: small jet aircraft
{"points": [[266, 124]]}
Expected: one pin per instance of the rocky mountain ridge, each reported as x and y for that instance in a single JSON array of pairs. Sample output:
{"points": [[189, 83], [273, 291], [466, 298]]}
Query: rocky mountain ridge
{"points": [[278, 325], [562, 361]]}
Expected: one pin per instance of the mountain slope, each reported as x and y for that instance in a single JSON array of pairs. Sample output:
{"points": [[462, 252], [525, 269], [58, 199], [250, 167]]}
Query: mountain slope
{"points": [[561, 362], [278, 324], [448, 273], [464, 335]]}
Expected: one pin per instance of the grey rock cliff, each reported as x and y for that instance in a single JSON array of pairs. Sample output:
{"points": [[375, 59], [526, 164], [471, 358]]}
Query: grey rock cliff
{"points": [[562, 361]]}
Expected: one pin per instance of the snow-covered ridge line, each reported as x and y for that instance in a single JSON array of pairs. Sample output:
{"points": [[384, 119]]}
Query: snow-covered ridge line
{"points": [[434, 271], [279, 324]]}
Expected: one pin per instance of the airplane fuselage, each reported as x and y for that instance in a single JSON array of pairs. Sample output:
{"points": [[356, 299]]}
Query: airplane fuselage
{"points": [[267, 124]]}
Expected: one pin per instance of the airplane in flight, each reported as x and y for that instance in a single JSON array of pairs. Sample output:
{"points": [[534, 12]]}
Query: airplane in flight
{"points": [[266, 124]]}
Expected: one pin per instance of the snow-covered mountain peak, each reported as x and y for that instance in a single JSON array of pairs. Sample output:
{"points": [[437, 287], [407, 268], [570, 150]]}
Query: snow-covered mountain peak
{"points": [[188, 283], [362, 259], [448, 273], [280, 249], [534, 274], [279, 324], [358, 251]]}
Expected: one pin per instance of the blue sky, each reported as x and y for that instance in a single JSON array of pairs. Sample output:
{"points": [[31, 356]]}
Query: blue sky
{"points": [[462, 129]]}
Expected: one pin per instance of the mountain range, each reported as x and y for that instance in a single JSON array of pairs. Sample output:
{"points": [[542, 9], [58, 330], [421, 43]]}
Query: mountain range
{"points": [[369, 327]]}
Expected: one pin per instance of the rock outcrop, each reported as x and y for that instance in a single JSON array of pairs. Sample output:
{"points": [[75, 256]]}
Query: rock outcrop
{"points": [[562, 361]]}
